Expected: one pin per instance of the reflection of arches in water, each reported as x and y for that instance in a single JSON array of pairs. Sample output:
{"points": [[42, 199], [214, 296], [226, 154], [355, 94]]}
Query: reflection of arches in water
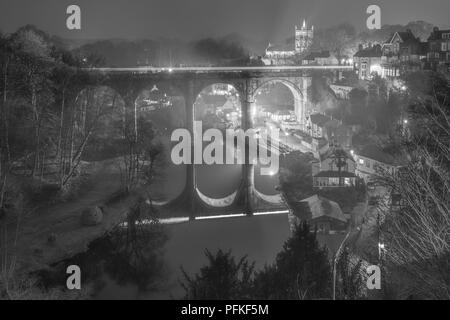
{"points": [[218, 105], [299, 112], [274, 199], [217, 203]]}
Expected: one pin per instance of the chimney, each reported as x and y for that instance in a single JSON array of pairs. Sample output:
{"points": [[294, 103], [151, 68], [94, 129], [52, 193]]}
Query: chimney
{"points": [[360, 47]]}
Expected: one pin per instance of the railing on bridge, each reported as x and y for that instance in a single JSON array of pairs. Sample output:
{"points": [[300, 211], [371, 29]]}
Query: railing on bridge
{"points": [[221, 69]]}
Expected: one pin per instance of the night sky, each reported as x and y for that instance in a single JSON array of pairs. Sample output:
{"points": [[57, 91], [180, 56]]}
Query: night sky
{"points": [[193, 19]]}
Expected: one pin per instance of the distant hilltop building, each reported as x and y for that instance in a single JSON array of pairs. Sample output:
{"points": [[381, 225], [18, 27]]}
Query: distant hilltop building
{"points": [[289, 53]]}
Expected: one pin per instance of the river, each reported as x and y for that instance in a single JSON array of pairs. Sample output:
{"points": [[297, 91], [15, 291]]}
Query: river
{"points": [[259, 237]]}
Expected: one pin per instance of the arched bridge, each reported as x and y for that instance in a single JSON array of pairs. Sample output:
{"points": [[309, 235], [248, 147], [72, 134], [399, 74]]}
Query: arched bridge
{"points": [[190, 81]]}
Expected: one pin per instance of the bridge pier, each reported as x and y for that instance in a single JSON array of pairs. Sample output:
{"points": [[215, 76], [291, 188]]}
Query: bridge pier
{"points": [[128, 82], [247, 104], [191, 183]]}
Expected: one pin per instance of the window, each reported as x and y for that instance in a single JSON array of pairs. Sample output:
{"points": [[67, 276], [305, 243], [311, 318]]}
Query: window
{"points": [[334, 181], [444, 46], [361, 161]]}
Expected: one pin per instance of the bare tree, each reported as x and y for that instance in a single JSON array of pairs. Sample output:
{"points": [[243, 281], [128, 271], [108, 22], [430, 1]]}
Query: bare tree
{"points": [[417, 228]]}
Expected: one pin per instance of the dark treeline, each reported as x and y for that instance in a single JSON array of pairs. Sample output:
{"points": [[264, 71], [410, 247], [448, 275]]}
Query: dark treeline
{"points": [[301, 271], [52, 113], [167, 53]]}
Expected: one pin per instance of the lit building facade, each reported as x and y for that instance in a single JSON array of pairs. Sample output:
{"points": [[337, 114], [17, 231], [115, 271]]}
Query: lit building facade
{"points": [[439, 48], [367, 62]]}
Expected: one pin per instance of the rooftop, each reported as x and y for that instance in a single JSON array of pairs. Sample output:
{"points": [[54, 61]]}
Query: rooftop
{"points": [[376, 153], [314, 55], [406, 36], [316, 207], [371, 52], [332, 153], [437, 34]]}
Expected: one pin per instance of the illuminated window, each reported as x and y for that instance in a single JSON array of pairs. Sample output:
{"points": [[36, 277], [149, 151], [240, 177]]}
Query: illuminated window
{"points": [[334, 181]]}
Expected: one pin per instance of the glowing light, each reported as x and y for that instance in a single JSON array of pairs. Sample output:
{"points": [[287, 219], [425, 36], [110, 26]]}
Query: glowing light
{"points": [[174, 220], [405, 121], [376, 68], [221, 216], [270, 213]]}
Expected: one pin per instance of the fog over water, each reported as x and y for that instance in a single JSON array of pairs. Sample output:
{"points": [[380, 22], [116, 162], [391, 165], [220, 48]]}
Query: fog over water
{"points": [[259, 237]]}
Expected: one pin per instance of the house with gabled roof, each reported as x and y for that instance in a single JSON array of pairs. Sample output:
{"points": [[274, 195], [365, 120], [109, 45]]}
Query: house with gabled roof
{"points": [[371, 160], [401, 53], [335, 168], [321, 213]]}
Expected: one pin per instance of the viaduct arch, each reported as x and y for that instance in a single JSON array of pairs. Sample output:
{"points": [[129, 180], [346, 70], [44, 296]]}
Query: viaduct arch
{"points": [[189, 82]]}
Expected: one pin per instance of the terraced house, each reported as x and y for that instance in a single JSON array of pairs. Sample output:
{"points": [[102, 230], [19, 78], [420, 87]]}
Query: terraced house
{"points": [[438, 55]]}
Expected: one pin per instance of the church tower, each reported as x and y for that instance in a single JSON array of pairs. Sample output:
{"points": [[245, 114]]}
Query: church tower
{"points": [[303, 38]]}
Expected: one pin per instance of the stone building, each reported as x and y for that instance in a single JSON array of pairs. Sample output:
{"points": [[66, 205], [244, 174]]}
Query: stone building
{"points": [[367, 61], [439, 49], [290, 53]]}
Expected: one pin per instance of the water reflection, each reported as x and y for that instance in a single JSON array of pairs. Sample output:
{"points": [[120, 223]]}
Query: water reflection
{"points": [[259, 237]]}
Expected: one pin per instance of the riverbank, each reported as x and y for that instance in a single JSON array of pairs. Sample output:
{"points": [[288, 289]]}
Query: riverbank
{"points": [[47, 235]]}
